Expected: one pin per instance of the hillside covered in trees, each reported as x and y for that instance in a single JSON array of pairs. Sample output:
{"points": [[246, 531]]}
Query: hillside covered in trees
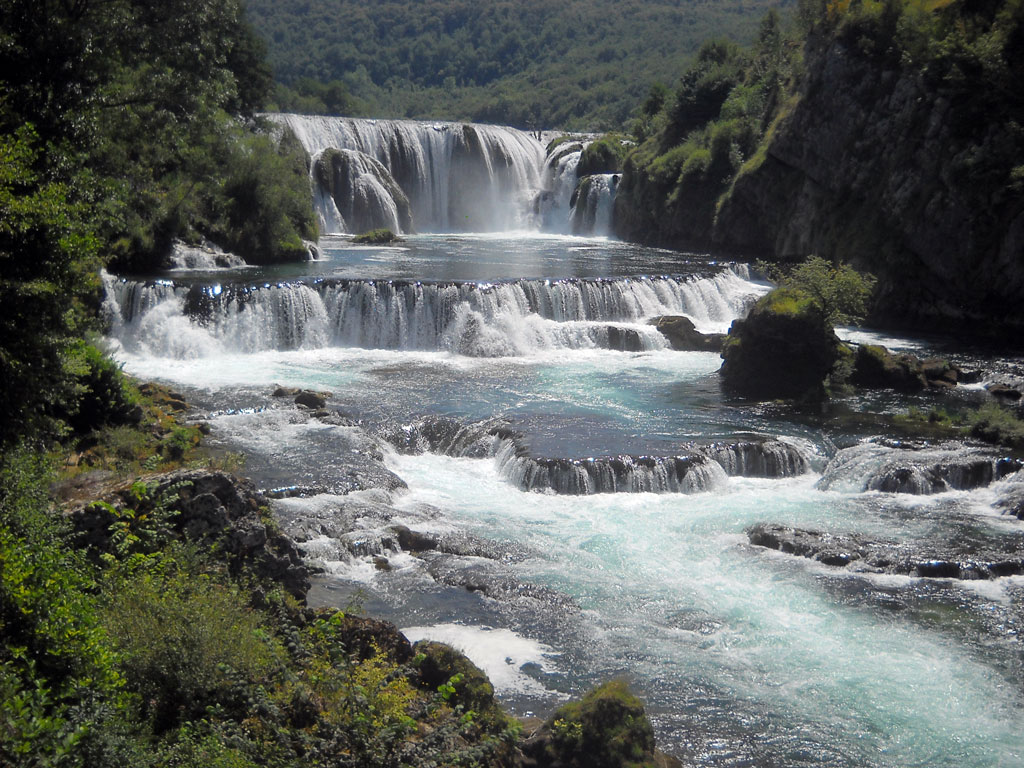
{"points": [[578, 64], [884, 134]]}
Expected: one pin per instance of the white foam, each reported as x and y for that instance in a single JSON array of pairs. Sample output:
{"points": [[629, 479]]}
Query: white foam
{"points": [[500, 653]]}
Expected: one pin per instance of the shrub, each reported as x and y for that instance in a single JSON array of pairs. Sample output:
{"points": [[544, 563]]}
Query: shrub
{"points": [[995, 424], [841, 292], [185, 638], [605, 155], [376, 237], [58, 676]]}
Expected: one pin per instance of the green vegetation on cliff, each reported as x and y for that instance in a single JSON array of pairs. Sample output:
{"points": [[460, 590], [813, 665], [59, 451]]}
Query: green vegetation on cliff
{"points": [[531, 63], [885, 134], [693, 142]]}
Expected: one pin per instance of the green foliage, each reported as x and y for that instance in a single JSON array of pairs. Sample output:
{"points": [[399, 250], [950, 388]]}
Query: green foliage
{"points": [[606, 729], [184, 637], [840, 292], [605, 155], [309, 96], [376, 237], [691, 151], [58, 670], [995, 424], [267, 199], [48, 255], [574, 64]]}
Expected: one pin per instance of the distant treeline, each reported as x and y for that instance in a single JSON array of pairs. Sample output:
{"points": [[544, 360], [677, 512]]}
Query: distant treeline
{"points": [[578, 64]]}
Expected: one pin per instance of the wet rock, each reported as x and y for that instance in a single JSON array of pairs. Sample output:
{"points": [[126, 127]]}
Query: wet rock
{"points": [[875, 367], [783, 349], [862, 555], [1003, 392], [312, 400], [683, 336], [414, 541], [918, 469], [624, 339]]}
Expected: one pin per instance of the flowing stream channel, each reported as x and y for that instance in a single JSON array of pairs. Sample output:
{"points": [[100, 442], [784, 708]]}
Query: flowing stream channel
{"points": [[587, 492]]}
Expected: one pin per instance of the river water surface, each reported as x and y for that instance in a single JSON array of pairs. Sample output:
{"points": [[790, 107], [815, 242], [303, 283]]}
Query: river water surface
{"points": [[745, 656]]}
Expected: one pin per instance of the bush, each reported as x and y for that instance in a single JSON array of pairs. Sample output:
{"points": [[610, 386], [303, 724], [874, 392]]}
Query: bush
{"points": [[607, 729], [995, 424], [59, 681], [376, 237], [605, 155], [185, 639], [840, 292]]}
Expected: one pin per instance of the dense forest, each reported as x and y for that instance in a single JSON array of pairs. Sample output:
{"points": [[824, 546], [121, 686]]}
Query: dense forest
{"points": [[574, 64]]}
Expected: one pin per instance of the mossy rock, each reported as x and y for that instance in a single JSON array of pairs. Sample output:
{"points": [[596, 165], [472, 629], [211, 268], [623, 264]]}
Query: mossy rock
{"points": [[783, 349], [608, 728], [441, 665], [875, 367], [605, 155], [377, 237]]}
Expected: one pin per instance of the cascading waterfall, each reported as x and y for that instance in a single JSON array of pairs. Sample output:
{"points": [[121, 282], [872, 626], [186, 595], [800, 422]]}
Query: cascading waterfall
{"points": [[355, 192], [457, 177], [702, 468], [477, 319], [554, 204], [592, 204], [921, 471]]}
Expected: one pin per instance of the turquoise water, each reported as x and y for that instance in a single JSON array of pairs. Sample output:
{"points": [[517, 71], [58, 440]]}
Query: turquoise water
{"points": [[746, 657]]}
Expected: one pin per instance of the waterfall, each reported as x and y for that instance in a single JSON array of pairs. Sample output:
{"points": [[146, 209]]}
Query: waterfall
{"points": [[554, 206], [592, 204], [510, 318], [456, 177], [701, 468], [918, 470], [362, 194]]}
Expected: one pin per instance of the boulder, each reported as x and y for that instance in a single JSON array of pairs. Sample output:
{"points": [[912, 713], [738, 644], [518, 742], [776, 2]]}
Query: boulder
{"points": [[683, 336], [1003, 392], [608, 728], [441, 665], [875, 367], [206, 507], [783, 349], [310, 399]]}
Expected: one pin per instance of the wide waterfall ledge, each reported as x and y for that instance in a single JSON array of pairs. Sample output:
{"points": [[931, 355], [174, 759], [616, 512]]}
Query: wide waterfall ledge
{"points": [[431, 177]]}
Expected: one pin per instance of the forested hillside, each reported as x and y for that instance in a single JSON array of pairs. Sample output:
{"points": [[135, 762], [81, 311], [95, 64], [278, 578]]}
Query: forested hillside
{"points": [[580, 64]]}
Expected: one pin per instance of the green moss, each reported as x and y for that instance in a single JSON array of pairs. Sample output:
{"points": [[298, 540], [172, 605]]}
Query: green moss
{"points": [[608, 728], [605, 155], [376, 237], [785, 301]]}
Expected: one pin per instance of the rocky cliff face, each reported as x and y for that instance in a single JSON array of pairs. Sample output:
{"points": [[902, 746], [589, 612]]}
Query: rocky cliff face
{"points": [[912, 168], [877, 166]]}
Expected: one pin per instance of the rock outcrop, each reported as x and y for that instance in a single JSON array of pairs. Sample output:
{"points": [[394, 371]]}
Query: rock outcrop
{"points": [[783, 349], [205, 507], [683, 336], [874, 166], [875, 367], [902, 161], [862, 555]]}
